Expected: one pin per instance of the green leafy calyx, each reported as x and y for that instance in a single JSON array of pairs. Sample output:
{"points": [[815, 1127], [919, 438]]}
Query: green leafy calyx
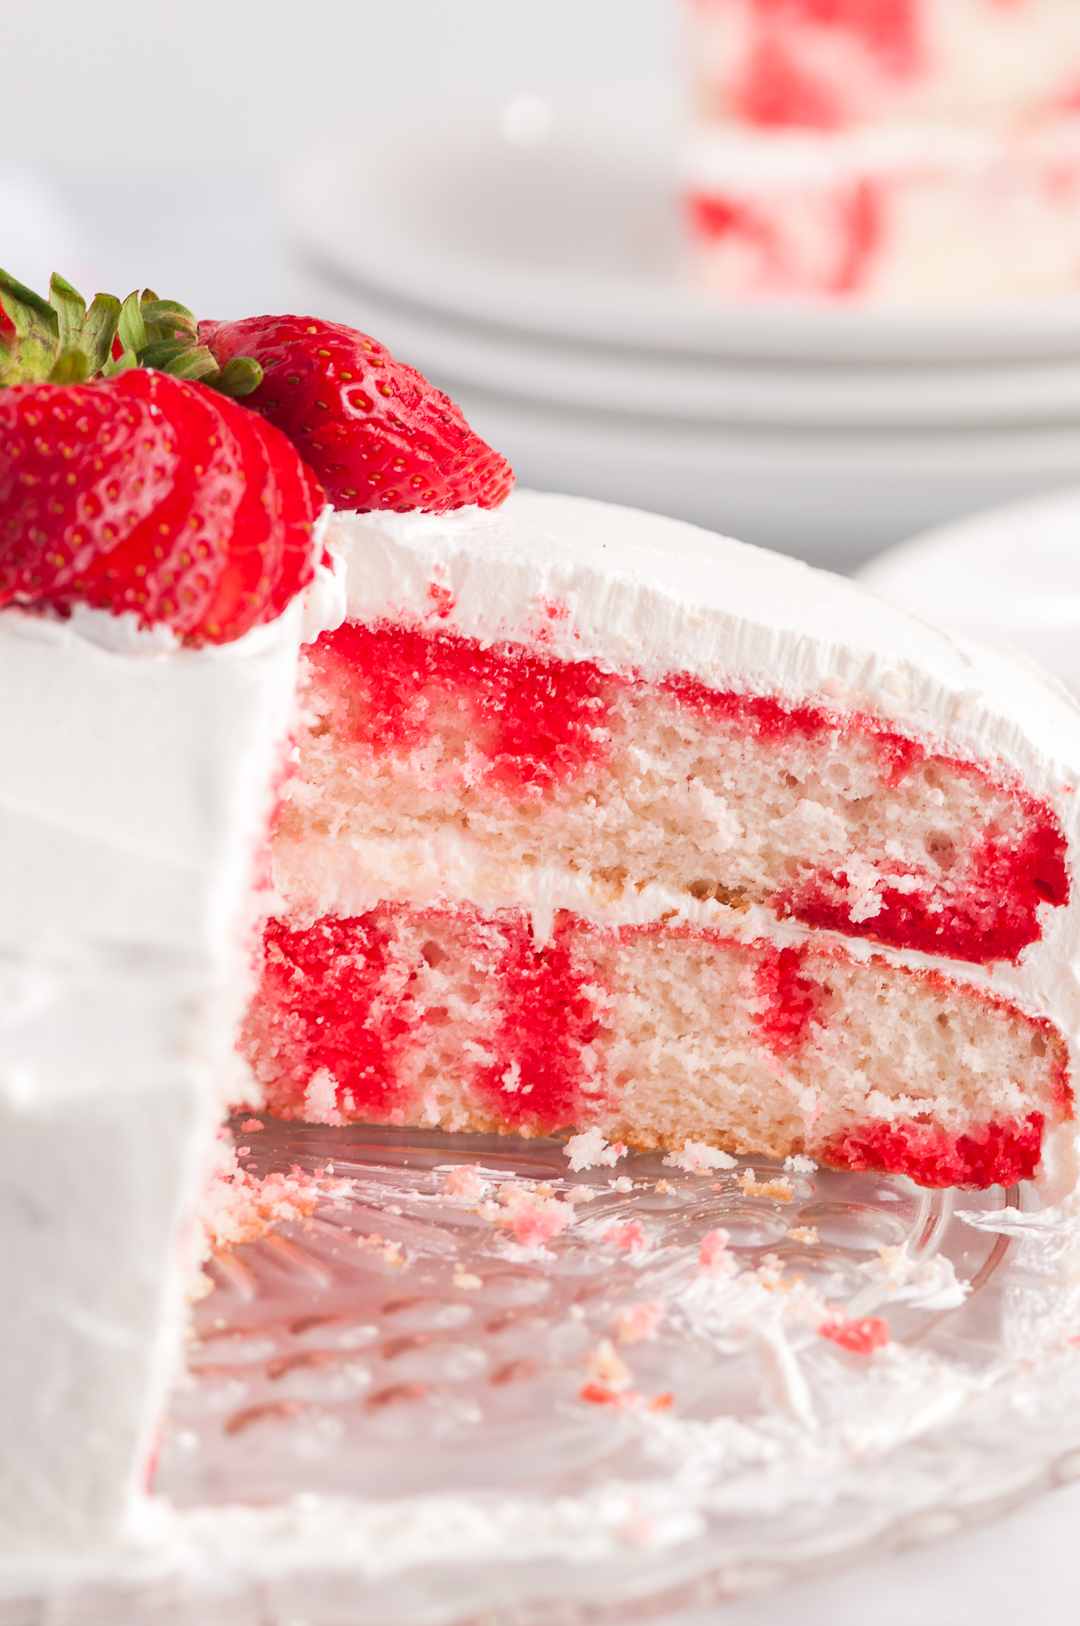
{"points": [[59, 341]]}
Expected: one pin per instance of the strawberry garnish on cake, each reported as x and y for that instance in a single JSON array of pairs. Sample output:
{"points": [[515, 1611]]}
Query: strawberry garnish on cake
{"points": [[377, 434], [126, 487]]}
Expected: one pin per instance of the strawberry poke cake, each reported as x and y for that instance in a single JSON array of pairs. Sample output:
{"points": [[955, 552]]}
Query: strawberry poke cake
{"points": [[900, 149], [343, 781]]}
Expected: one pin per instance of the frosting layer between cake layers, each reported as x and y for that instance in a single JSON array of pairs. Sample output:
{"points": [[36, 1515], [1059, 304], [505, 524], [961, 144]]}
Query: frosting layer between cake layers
{"points": [[564, 749], [136, 794]]}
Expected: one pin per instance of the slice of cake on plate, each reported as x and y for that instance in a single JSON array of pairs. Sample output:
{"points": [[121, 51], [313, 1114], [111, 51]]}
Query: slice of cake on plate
{"points": [[890, 149]]}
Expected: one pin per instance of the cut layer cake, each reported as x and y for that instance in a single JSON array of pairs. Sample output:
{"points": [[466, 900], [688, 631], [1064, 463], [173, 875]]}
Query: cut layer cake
{"points": [[586, 821]]}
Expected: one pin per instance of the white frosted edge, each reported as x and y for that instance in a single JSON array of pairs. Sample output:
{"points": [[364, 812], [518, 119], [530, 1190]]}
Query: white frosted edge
{"points": [[325, 600], [122, 634], [637, 592], [136, 792]]}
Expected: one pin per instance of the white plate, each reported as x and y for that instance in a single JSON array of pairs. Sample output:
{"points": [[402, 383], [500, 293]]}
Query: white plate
{"points": [[832, 499], [1010, 576], [578, 239], [734, 393], [396, 1413]]}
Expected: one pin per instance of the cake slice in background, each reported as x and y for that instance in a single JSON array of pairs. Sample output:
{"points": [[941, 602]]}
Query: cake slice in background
{"points": [[896, 150], [602, 821]]}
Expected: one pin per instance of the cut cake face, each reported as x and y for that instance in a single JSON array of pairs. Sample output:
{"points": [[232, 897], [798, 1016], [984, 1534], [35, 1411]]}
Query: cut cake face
{"points": [[601, 821]]}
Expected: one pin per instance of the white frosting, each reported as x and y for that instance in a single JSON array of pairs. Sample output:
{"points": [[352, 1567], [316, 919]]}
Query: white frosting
{"points": [[137, 784], [636, 592]]}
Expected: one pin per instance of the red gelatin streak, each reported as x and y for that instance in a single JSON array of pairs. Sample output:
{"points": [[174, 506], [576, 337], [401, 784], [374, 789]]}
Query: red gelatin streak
{"points": [[860, 1337], [991, 913], [534, 721], [997, 1153], [532, 717], [792, 1003], [547, 1017], [332, 1005], [341, 996]]}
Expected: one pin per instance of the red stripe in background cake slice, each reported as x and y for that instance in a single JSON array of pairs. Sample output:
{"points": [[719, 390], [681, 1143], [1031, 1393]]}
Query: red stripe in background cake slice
{"points": [[788, 79], [532, 720], [887, 29]]}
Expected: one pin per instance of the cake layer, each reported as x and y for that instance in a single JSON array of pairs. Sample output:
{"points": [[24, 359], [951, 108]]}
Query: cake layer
{"points": [[435, 762], [657, 1035], [824, 63], [890, 214]]}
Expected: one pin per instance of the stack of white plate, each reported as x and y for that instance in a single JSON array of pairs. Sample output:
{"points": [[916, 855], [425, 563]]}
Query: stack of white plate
{"points": [[528, 262]]}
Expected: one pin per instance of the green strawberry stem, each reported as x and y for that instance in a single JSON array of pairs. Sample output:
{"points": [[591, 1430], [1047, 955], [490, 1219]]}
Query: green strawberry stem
{"points": [[59, 341]]}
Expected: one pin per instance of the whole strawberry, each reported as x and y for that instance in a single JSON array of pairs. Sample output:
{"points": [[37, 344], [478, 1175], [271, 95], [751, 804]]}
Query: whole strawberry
{"points": [[377, 434]]}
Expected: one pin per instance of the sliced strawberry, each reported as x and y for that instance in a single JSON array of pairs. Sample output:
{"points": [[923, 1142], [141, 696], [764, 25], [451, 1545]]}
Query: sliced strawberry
{"points": [[297, 490], [271, 554], [243, 586], [81, 467], [375, 431], [169, 568], [160, 497]]}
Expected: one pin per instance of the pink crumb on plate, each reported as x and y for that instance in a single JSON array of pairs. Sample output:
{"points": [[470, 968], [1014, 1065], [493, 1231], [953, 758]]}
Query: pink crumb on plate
{"points": [[629, 1238], [859, 1337]]}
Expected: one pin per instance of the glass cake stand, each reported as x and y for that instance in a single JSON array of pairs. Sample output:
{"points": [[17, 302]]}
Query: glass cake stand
{"points": [[429, 1401]]}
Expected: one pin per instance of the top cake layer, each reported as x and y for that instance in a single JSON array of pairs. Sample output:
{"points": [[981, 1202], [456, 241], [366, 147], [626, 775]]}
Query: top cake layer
{"points": [[918, 790], [630, 590], [823, 64]]}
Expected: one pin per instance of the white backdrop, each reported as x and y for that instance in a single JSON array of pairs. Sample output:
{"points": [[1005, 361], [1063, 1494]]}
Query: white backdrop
{"points": [[125, 82], [140, 142]]}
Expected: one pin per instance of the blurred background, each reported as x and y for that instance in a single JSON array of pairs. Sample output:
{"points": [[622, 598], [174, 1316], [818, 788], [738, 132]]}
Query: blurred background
{"points": [[493, 189], [491, 186], [147, 144]]}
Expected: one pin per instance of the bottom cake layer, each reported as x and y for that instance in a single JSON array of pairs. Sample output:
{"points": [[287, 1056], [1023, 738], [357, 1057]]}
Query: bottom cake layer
{"points": [[655, 1034]]}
